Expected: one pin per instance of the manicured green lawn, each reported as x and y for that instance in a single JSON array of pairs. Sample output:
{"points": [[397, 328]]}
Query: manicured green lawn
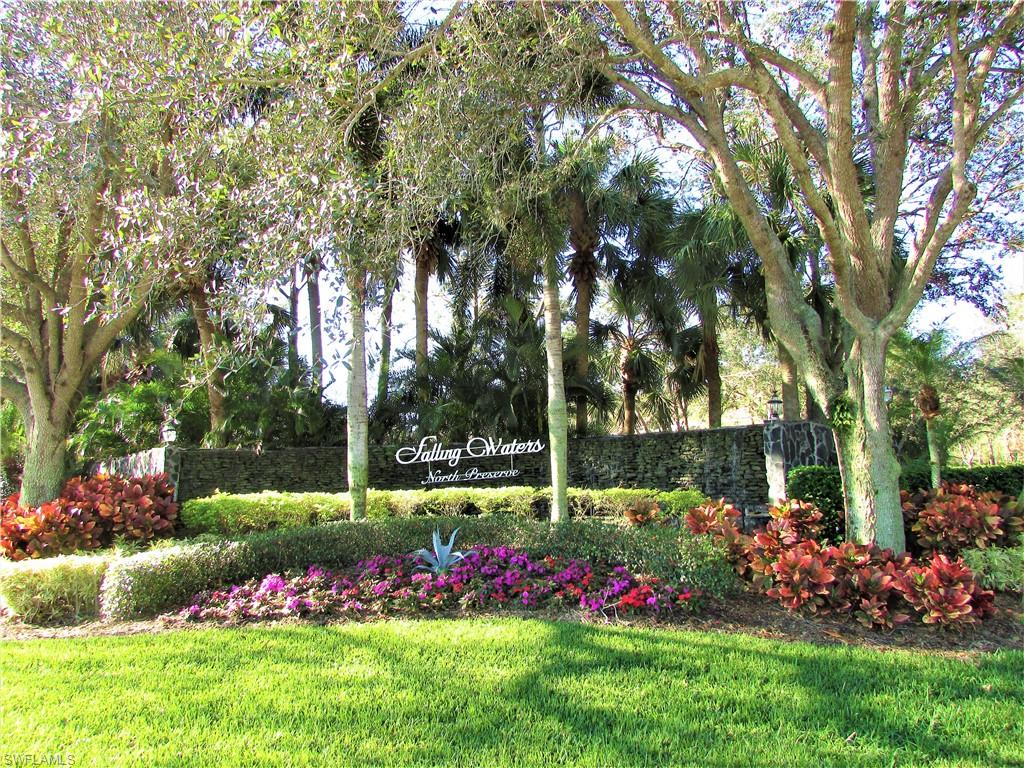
{"points": [[508, 692]]}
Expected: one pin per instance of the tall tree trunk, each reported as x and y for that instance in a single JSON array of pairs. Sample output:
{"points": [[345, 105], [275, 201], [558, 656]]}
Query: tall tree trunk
{"points": [[628, 408], [867, 459], [420, 299], [294, 374], [316, 338], [293, 329], [214, 375], [385, 344], [45, 462], [584, 293], [790, 386], [358, 418], [712, 371], [934, 452], [558, 415]]}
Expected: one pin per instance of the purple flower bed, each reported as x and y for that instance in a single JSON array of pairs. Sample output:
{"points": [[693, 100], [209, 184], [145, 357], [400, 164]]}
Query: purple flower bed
{"points": [[489, 577]]}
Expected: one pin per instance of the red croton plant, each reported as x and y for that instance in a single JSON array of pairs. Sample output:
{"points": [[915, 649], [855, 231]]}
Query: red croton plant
{"points": [[90, 513], [877, 587], [957, 517]]}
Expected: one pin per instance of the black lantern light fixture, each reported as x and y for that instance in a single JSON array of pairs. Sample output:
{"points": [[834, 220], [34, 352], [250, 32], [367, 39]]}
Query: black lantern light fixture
{"points": [[774, 408]]}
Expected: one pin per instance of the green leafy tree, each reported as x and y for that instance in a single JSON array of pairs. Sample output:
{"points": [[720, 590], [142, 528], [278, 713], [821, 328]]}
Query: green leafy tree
{"points": [[104, 196], [927, 93]]}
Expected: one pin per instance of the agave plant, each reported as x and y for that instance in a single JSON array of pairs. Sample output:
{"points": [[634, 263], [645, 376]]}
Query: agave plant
{"points": [[442, 558]]}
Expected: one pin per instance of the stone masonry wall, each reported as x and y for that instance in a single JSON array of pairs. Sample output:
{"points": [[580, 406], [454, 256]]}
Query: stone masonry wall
{"points": [[728, 462]]}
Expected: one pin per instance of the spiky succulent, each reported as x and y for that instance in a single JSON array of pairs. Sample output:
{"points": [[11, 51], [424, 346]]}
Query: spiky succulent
{"points": [[442, 558]]}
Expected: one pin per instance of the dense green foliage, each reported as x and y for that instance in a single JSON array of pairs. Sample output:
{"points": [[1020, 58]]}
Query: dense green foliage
{"points": [[998, 567], [522, 693], [822, 487], [56, 590], [230, 514], [167, 578]]}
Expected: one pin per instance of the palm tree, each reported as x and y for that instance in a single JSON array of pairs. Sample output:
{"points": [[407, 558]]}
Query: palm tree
{"points": [[636, 348], [432, 255], [932, 361], [602, 208], [705, 247]]}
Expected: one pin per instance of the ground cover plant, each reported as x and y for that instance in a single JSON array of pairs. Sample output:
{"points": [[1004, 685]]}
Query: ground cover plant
{"points": [[237, 513], [877, 587], [90, 513], [483, 578], [512, 692], [999, 568]]}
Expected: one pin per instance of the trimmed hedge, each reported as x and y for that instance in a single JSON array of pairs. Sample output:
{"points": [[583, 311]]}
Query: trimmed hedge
{"points": [[823, 487], [56, 590], [167, 578], [232, 514]]}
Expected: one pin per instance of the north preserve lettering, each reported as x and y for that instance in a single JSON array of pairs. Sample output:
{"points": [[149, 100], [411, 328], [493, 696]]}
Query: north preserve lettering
{"points": [[430, 450]]}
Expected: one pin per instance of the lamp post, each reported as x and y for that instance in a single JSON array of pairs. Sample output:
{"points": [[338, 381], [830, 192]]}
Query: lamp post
{"points": [[169, 431], [774, 408]]}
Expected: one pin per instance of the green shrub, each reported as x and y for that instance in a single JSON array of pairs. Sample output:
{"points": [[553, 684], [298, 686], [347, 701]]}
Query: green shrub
{"points": [[1005, 478], [149, 582], [999, 568], [822, 487], [232, 514], [56, 590], [159, 580], [229, 513]]}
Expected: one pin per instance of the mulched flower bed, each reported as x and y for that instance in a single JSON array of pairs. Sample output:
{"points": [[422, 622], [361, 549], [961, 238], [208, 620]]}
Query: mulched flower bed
{"points": [[487, 578], [746, 613]]}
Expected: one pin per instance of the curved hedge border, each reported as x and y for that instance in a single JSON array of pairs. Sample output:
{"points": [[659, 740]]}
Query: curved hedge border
{"points": [[231, 514], [166, 578]]}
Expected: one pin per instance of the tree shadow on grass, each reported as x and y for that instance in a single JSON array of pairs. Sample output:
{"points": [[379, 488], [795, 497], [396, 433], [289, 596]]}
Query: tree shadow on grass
{"points": [[530, 692], [800, 703]]}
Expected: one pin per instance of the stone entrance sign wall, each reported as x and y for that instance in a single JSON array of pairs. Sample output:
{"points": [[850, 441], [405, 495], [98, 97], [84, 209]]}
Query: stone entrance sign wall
{"points": [[744, 464]]}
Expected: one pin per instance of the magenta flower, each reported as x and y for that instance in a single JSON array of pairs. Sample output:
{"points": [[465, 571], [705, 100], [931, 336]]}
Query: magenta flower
{"points": [[272, 583]]}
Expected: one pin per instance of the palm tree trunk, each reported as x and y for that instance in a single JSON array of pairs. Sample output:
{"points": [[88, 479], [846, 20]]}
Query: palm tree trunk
{"points": [[790, 386], [358, 417], [293, 329], [558, 416], [214, 375], [712, 370], [294, 374], [628, 408], [385, 344], [934, 453], [315, 328], [422, 287], [584, 292]]}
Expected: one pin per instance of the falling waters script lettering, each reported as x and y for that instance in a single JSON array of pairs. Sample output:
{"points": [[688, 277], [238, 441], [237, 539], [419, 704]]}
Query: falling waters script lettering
{"points": [[430, 450]]}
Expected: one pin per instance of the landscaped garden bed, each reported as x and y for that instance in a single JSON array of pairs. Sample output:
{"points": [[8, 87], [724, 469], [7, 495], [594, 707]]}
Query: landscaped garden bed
{"points": [[638, 558]]}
